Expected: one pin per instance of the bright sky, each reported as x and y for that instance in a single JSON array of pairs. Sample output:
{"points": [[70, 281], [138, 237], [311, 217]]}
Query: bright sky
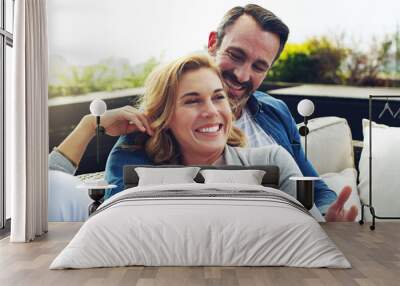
{"points": [[85, 31]]}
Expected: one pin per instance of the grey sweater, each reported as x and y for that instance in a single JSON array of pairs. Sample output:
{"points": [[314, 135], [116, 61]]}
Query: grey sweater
{"points": [[268, 155], [59, 163]]}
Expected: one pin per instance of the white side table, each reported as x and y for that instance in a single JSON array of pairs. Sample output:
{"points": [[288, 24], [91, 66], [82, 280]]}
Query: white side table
{"points": [[96, 193]]}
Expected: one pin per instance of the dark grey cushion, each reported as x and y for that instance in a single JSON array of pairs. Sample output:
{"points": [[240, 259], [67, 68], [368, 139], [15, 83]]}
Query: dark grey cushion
{"points": [[270, 179]]}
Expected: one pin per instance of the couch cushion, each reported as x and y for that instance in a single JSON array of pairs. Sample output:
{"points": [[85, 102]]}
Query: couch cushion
{"points": [[65, 201], [329, 144]]}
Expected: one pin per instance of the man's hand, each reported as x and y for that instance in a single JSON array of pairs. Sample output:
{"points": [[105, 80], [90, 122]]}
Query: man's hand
{"points": [[336, 211]]}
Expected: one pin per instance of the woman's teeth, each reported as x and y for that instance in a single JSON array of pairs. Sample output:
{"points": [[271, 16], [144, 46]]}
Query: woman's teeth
{"points": [[209, 129]]}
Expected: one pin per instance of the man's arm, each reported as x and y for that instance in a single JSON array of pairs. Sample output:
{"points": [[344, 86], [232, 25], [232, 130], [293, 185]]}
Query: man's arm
{"points": [[324, 197], [118, 158]]}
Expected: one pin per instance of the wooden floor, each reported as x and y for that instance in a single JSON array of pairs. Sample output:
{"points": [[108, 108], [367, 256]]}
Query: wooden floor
{"points": [[374, 255]]}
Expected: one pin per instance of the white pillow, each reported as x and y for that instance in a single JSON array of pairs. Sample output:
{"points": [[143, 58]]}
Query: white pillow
{"points": [[329, 144], [248, 177], [337, 181], [385, 169], [162, 176]]}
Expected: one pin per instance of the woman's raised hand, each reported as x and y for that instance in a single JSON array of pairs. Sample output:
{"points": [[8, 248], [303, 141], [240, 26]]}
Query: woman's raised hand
{"points": [[116, 122], [122, 121]]}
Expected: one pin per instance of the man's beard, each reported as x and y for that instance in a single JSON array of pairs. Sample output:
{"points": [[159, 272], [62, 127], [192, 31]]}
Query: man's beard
{"points": [[237, 102]]}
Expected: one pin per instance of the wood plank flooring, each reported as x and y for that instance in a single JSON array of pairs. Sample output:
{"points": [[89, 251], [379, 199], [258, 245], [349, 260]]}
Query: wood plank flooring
{"points": [[374, 255]]}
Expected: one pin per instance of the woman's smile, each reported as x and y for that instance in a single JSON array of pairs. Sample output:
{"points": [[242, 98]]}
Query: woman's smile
{"points": [[202, 116], [210, 130]]}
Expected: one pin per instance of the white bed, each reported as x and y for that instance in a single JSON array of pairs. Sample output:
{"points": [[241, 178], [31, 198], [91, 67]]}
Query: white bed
{"points": [[224, 224]]}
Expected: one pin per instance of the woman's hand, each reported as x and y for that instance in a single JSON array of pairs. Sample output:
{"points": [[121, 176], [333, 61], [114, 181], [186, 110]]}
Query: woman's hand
{"points": [[116, 122], [122, 121]]}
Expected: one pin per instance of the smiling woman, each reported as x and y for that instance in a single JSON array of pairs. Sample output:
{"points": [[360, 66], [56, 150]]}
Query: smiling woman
{"points": [[189, 111]]}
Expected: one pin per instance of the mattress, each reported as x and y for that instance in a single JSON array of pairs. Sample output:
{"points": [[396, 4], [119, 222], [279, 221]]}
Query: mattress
{"points": [[201, 225]]}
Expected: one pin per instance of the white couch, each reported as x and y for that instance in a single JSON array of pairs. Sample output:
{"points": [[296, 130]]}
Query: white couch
{"points": [[330, 149]]}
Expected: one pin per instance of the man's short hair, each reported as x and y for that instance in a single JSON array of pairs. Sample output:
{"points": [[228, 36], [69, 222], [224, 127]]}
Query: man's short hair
{"points": [[265, 18]]}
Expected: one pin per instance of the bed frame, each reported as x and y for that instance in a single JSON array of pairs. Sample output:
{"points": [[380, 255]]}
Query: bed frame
{"points": [[270, 179]]}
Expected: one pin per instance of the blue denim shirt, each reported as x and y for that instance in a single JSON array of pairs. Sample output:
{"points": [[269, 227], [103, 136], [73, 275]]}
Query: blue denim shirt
{"points": [[118, 158], [271, 114]]}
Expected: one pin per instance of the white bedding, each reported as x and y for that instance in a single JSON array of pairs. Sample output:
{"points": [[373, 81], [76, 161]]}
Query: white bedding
{"points": [[241, 228]]}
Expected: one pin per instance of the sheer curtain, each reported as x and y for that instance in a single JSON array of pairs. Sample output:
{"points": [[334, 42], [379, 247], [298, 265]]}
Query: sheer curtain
{"points": [[27, 123]]}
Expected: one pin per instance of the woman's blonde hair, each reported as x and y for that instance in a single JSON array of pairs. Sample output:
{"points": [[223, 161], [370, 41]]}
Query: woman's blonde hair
{"points": [[158, 103]]}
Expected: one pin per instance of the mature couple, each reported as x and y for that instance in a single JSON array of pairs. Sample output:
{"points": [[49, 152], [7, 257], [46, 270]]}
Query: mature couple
{"points": [[189, 107]]}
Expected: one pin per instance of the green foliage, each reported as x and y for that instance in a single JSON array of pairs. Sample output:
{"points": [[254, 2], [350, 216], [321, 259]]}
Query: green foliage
{"points": [[320, 60], [315, 61], [101, 77]]}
